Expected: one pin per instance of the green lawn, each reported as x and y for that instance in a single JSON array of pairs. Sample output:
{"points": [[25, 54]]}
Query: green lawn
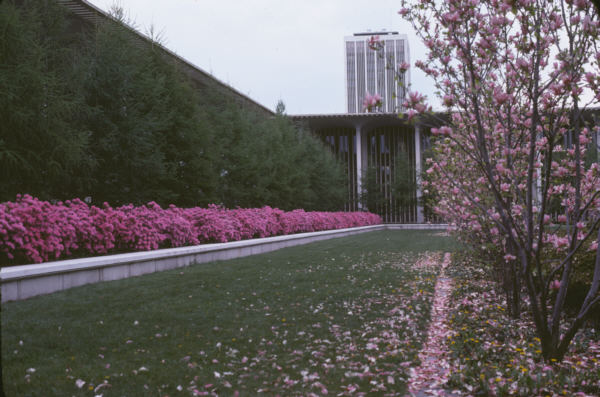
{"points": [[342, 316]]}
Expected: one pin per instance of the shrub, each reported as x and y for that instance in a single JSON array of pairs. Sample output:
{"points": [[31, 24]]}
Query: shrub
{"points": [[32, 230]]}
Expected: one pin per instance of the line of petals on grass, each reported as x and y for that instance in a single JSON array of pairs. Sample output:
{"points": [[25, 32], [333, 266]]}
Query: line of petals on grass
{"points": [[430, 377]]}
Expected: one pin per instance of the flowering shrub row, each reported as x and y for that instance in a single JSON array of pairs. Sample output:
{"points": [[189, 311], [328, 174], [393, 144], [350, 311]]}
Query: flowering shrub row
{"points": [[32, 230]]}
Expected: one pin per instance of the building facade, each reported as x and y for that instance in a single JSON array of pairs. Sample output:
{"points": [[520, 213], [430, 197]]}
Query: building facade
{"points": [[376, 71], [380, 149], [377, 150]]}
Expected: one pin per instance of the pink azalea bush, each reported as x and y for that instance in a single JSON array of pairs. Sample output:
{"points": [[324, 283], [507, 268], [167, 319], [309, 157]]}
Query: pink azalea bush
{"points": [[32, 230]]}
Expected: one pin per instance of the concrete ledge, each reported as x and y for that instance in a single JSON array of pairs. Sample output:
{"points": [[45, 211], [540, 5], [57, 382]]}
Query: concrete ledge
{"points": [[22, 282], [416, 226]]}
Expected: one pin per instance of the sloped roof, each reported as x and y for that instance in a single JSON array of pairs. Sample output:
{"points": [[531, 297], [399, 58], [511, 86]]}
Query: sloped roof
{"points": [[91, 14]]}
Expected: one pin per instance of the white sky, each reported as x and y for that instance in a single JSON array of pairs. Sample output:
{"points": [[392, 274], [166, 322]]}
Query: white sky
{"points": [[274, 49]]}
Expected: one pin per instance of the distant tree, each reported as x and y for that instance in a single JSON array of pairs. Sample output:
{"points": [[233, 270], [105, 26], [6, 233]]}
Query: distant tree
{"points": [[272, 162], [400, 188], [324, 175], [280, 108], [404, 183], [371, 196]]}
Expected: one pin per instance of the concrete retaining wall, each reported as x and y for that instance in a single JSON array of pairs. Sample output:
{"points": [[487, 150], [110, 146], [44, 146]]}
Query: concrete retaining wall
{"points": [[22, 282]]}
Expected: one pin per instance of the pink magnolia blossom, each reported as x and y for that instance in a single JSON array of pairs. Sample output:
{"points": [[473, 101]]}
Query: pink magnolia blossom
{"points": [[372, 102], [451, 17], [375, 43], [403, 67], [448, 100]]}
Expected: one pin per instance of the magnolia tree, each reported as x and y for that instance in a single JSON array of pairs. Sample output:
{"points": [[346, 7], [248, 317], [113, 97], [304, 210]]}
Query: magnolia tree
{"points": [[510, 164]]}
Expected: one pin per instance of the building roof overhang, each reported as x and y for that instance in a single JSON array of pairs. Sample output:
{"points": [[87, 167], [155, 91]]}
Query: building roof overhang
{"points": [[366, 120]]}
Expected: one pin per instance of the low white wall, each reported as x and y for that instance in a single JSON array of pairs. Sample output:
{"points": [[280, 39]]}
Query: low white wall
{"points": [[22, 282]]}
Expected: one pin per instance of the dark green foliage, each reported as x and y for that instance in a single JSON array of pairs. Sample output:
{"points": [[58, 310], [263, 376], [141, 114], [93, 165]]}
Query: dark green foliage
{"points": [[325, 175], [401, 187], [429, 195], [584, 264], [372, 196], [404, 185], [107, 115], [147, 134], [40, 138], [270, 161]]}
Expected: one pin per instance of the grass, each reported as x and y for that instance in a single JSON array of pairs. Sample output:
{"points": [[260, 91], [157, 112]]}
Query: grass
{"points": [[341, 316], [492, 354]]}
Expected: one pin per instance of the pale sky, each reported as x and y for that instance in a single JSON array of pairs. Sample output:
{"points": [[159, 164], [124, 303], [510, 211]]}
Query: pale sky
{"points": [[274, 49]]}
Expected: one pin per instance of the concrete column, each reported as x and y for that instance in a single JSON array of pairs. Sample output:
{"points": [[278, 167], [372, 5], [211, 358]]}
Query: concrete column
{"points": [[420, 217], [365, 160], [359, 168]]}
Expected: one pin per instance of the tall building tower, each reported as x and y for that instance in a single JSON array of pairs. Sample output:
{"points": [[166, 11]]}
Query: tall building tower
{"points": [[374, 72]]}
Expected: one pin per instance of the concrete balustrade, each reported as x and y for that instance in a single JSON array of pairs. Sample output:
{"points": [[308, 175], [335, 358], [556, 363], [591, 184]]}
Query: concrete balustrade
{"points": [[22, 282]]}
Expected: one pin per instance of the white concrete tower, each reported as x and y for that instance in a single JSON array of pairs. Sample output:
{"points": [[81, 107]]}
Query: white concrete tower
{"points": [[374, 72]]}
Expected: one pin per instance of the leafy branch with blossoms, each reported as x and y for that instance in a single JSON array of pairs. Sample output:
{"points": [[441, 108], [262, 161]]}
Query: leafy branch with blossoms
{"points": [[510, 161]]}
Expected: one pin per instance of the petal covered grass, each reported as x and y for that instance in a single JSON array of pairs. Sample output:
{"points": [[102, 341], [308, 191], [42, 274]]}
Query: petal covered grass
{"points": [[493, 354], [346, 316], [32, 230]]}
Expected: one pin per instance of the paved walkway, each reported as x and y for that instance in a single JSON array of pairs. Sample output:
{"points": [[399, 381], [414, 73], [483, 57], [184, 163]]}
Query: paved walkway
{"points": [[428, 379]]}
